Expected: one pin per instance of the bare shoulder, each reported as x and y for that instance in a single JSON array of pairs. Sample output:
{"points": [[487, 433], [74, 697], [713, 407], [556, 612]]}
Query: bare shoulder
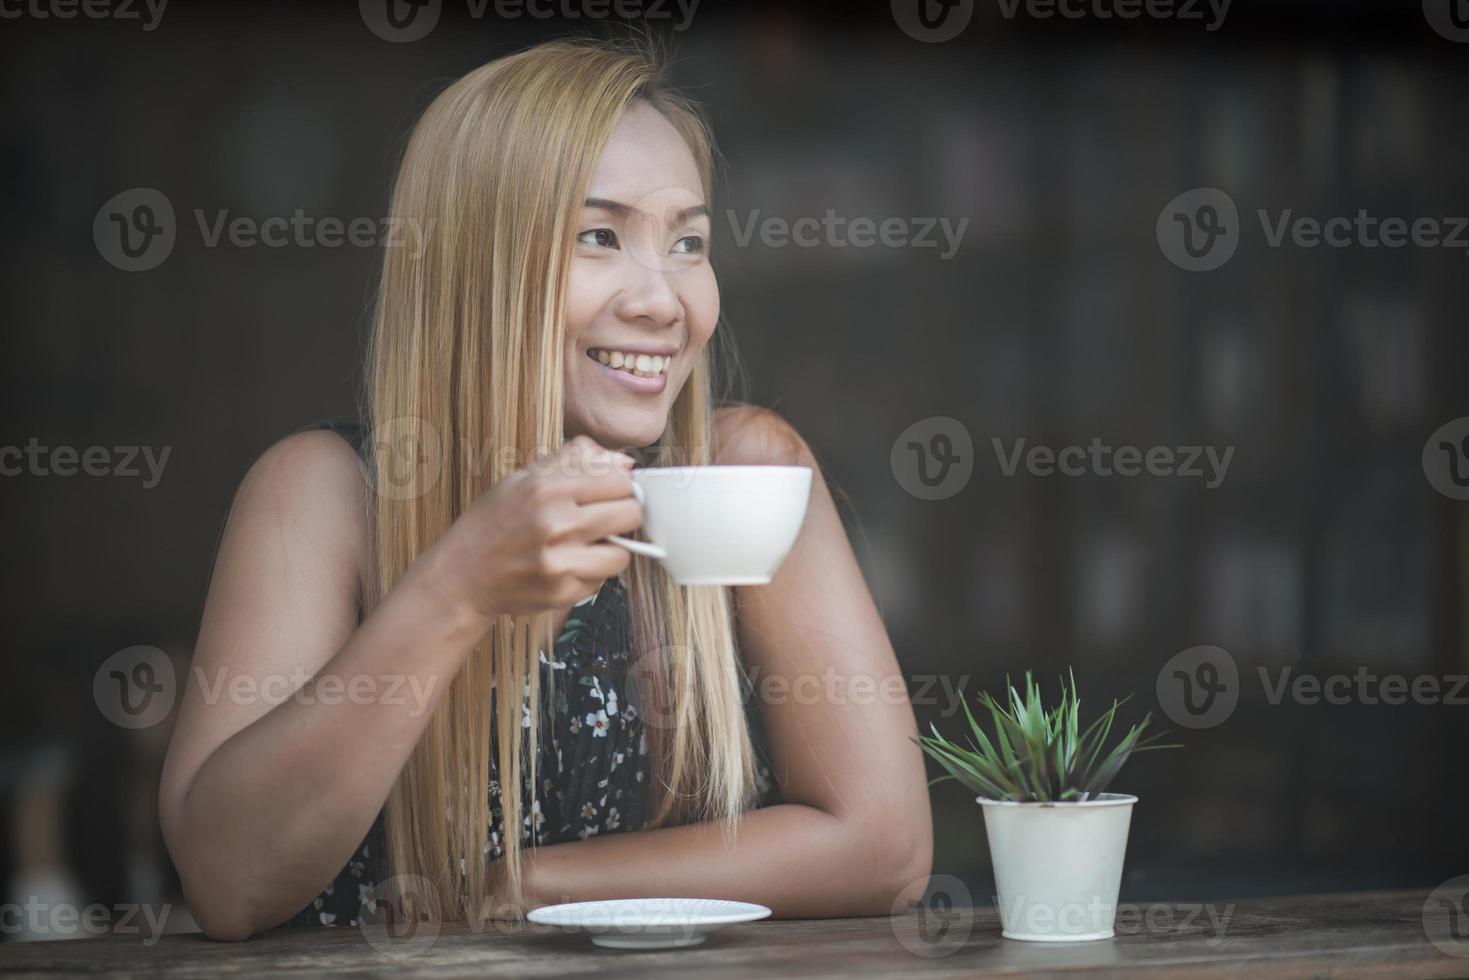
{"points": [[750, 435], [310, 491]]}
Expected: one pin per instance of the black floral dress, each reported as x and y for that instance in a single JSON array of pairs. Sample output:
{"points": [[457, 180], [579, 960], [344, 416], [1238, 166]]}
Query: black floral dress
{"points": [[592, 756]]}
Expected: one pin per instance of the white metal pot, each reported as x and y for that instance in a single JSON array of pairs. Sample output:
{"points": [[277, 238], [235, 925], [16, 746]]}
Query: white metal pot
{"points": [[1058, 866]]}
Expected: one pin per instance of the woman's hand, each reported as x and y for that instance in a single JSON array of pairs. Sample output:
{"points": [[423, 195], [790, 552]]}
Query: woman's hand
{"points": [[536, 541]]}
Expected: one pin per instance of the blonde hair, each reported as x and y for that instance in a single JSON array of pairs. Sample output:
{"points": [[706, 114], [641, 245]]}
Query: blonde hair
{"points": [[467, 345]]}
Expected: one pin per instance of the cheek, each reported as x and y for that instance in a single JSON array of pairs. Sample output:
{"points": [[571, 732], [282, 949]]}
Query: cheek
{"points": [[585, 296], [701, 305]]}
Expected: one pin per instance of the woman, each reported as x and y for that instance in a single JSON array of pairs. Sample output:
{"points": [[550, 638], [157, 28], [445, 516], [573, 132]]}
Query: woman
{"points": [[578, 731]]}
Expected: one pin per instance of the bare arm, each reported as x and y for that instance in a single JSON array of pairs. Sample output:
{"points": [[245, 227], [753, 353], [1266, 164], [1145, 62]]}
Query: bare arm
{"points": [[854, 834], [262, 800], [296, 718]]}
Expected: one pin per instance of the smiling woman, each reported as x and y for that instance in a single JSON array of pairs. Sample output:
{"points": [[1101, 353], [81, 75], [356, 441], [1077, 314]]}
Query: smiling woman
{"points": [[588, 734]]}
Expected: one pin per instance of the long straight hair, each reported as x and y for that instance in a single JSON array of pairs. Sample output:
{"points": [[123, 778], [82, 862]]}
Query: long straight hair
{"points": [[465, 386]]}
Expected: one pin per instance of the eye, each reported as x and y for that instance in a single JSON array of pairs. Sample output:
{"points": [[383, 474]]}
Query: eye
{"points": [[689, 245], [600, 237]]}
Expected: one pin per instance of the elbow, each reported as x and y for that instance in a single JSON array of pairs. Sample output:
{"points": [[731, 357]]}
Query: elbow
{"points": [[221, 913], [223, 925], [901, 862], [221, 907], [912, 862]]}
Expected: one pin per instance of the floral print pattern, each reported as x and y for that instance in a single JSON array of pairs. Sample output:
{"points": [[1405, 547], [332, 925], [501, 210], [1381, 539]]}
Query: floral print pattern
{"points": [[592, 764]]}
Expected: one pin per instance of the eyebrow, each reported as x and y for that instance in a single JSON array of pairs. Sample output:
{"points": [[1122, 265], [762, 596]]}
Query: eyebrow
{"points": [[618, 208]]}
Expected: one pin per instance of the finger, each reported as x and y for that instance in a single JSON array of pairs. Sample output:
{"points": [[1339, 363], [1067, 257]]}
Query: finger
{"points": [[589, 488], [597, 562], [597, 520], [581, 444]]}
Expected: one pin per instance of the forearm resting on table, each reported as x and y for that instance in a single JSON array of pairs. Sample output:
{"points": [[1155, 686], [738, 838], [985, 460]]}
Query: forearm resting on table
{"points": [[280, 806], [801, 861]]}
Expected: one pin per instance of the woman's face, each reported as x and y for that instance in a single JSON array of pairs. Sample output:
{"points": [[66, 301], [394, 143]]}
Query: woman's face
{"points": [[642, 300]]}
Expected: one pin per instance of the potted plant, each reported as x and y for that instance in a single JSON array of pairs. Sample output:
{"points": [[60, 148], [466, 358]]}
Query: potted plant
{"points": [[1056, 839]]}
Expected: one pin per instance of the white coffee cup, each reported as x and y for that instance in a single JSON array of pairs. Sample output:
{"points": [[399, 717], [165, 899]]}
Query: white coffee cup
{"points": [[720, 525]]}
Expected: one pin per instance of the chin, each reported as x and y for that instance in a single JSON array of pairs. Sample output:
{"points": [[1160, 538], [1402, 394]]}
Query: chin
{"points": [[625, 432]]}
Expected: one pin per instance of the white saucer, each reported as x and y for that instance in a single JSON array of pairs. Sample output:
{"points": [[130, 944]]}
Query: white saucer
{"points": [[648, 923]]}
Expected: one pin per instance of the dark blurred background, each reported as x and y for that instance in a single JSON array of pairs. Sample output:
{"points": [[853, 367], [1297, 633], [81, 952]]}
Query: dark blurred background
{"points": [[1060, 318]]}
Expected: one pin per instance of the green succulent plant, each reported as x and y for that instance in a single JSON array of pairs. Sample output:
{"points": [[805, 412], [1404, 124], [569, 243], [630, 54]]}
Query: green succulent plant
{"points": [[1038, 755]]}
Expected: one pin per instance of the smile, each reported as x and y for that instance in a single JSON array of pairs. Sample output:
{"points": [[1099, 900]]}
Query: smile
{"points": [[639, 365], [646, 374]]}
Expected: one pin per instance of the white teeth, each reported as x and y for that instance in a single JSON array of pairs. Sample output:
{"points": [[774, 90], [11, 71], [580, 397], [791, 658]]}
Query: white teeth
{"points": [[642, 365]]}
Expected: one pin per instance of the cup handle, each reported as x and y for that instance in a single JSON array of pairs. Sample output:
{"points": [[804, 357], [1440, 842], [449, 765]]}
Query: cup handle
{"points": [[643, 548]]}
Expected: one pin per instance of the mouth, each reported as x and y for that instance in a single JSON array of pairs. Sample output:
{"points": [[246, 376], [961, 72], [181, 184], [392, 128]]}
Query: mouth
{"points": [[644, 373]]}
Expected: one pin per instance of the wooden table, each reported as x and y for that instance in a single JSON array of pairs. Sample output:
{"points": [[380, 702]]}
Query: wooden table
{"points": [[1382, 934]]}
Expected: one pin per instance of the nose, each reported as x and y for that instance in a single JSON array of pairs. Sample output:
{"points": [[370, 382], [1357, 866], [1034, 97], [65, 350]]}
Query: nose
{"points": [[649, 293]]}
